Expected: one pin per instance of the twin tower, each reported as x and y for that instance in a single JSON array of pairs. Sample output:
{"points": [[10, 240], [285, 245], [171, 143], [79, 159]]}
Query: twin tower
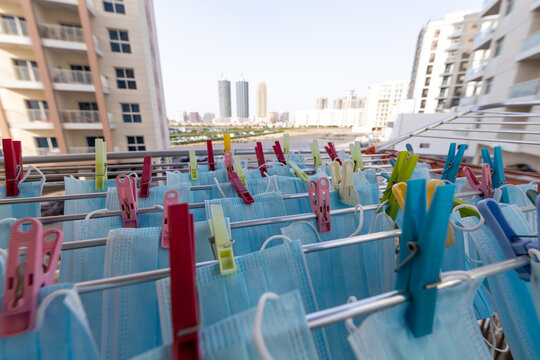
{"points": [[242, 99]]}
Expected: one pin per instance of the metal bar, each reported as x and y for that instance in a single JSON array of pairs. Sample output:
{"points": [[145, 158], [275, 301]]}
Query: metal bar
{"points": [[522, 142], [498, 131], [507, 103]]}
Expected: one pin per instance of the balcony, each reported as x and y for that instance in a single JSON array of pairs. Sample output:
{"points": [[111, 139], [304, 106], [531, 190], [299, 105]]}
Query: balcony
{"points": [[47, 151], [70, 5], [72, 80], [530, 48], [451, 59], [468, 101], [453, 47], [31, 119], [456, 34], [82, 149], [68, 38], [14, 32], [23, 77], [475, 72], [490, 7], [524, 89], [482, 40], [83, 120]]}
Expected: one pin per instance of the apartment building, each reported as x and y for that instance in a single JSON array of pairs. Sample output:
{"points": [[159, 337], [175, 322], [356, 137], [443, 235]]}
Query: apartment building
{"points": [[76, 70], [441, 60], [506, 66], [380, 103]]}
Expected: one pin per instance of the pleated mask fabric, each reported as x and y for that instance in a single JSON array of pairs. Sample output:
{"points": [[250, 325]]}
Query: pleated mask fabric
{"points": [[5, 227], [19, 211]]}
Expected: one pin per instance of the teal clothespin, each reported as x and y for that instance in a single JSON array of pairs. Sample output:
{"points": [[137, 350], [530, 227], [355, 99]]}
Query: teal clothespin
{"points": [[453, 162], [356, 156], [316, 153], [409, 149], [421, 247], [497, 170]]}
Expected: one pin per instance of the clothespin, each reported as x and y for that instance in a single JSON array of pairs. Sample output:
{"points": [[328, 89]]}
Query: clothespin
{"points": [[315, 153], [286, 141], [319, 197], [237, 184], [453, 162], [402, 172], [356, 155], [126, 187], [421, 251], [146, 177], [512, 244], [210, 151], [279, 153], [101, 163], [25, 277], [399, 190], [335, 174], [331, 150], [347, 192], [193, 165], [299, 173], [497, 170], [13, 167], [260, 158], [465, 212], [184, 299], [227, 142], [170, 198], [239, 171], [370, 150], [409, 149], [222, 244], [483, 186]]}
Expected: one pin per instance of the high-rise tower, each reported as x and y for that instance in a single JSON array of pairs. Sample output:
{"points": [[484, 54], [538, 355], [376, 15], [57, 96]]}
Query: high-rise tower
{"points": [[261, 100], [224, 87], [242, 99]]}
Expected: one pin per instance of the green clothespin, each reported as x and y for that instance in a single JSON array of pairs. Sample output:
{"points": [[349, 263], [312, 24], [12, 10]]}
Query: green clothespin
{"points": [[193, 165], [296, 171], [315, 152], [465, 212], [239, 171], [356, 155], [221, 240], [403, 170], [101, 163], [286, 144]]}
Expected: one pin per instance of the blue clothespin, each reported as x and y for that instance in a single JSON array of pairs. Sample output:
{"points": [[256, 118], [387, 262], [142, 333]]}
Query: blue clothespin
{"points": [[453, 162], [421, 251], [497, 169], [512, 244], [393, 162], [409, 149]]}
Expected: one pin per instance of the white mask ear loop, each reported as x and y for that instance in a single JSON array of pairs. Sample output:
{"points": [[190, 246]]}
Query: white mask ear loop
{"points": [[95, 212], [40, 316], [133, 174], [28, 171], [474, 228], [311, 226], [257, 329], [349, 323], [498, 192], [360, 209], [273, 237], [219, 188], [376, 210]]}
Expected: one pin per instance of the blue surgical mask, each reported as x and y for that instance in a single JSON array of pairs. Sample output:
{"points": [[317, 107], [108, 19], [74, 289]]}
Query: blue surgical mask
{"points": [[5, 227], [535, 280], [19, 211]]}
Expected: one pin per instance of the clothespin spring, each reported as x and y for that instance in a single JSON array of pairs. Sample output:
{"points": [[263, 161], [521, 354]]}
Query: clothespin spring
{"points": [[414, 250]]}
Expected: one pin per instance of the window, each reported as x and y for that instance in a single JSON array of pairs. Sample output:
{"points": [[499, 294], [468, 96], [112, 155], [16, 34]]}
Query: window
{"points": [[88, 106], [458, 91], [46, 142], [437, 33], [125, 78], [429, 70], [14, 25], [119, 41], [498, 46], [432, 57], [424, 145], [423, 104], [37, 110], [448, 68], [114, 6], [91, 141], [489, 83], [424, 92], [131, 113], [434, 45], [427, 81], [26, 70], [136, 143], [509, 7]]}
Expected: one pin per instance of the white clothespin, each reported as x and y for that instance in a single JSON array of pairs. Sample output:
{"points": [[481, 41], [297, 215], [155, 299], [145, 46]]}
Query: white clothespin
{"points": [[347, 193], [335, 174]]}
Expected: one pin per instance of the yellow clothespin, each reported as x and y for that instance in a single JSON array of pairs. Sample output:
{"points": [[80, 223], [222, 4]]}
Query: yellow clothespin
{"points": [[101, 163], [347, 192], [356, 155], [400, 189], [296, 171], [286, 144], [221, 241], [239, 171], [315, 152], [334, 173], [193, 165], [227, 142]]}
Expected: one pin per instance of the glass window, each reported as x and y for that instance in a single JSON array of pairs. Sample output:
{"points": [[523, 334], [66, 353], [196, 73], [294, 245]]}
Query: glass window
{"points": [[131, 113], [509, 7], [136, 143], [119, 40], [46, 142], [91, 140], [125, 78], [498, 46], [83, 106], [114, 6], [489, 83]]}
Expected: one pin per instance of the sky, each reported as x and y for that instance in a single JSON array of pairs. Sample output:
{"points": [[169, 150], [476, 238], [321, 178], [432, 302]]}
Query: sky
{"points": [[301, 49]]}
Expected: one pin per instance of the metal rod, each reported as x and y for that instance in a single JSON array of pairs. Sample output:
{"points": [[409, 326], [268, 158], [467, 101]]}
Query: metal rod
{"points": [[522, 142], [498, 131], [492, 122]]}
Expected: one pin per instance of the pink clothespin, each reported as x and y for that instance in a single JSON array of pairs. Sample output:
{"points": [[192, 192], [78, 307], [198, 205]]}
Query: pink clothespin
{"points": [[126, 186], [171, 198], [484, 186], [331, 150], [260, 158], [211, 161], [146, 177], [25, 277], [233, 178], [228, 161], [319, 197], [279, 153], [12, 166]]}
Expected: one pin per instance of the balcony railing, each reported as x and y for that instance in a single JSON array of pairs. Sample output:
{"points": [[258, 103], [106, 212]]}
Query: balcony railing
{"points": [[481, 38], [80, 116], [61, 32], [38, 114], [468, 101], [82, 149], [527, 88], [26, 73], [14, 27], [47, 151], [71, 76], [530, 42]]}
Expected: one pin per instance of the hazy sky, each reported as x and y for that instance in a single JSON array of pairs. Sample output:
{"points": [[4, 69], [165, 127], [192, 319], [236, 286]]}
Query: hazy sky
{"points": [[302, 49]]}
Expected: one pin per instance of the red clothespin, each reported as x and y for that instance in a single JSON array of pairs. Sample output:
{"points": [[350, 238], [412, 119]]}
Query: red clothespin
{"points": [[279, 153], [12, 166], [331, 150], [260, 158], [211, 161], [171, 198], [319, 197], [237, 184], [184, 301], [370, 150], [126, 186], [25, 277], [146, 177], [484, 186]]}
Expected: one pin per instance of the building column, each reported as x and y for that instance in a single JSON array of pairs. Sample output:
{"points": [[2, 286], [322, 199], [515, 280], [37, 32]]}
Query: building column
{"points": [[43, 67], [4, 125]]}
